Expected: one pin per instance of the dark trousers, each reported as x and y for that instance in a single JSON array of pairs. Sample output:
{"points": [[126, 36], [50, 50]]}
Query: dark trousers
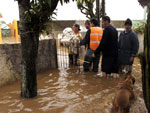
{"points": [[110, 65], [89, 60], [73, 59]]}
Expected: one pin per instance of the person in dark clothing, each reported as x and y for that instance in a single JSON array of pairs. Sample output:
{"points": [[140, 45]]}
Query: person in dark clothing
{"points": [[109, 49], [87, 24], [128, 48], [92, 40]]}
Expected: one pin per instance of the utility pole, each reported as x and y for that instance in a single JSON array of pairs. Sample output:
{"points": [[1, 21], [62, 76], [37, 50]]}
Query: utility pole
{"points": [[145, 11], [1, 41], [97, 11], [103, 8]]}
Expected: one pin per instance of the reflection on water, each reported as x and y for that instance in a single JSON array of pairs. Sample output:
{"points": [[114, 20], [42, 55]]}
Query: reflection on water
{"points": [[66, 91]]}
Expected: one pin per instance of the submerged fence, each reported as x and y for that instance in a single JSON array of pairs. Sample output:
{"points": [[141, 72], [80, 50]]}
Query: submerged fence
{"points": [[63, 57]]}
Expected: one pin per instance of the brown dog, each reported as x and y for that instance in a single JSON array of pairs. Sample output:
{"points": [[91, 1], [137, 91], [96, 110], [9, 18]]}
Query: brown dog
{"points": [[122, 100]]}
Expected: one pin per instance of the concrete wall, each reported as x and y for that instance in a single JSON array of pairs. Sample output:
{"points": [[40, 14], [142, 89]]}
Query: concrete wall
{"points": [[141, 39], [47, 56], [7, 73], [10, 59], [60, 25]]}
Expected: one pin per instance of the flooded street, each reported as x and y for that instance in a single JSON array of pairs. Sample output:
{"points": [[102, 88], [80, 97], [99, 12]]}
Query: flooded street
{"points": [[67, 91]]}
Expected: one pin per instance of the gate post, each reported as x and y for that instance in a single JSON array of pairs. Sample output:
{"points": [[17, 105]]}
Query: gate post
{"points": [[1, 41], [16, 30]]}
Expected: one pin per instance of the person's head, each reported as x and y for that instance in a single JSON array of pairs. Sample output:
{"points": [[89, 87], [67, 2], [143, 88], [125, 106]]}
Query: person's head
{"points": [[94, 22], [105, 21], [87, 24], [76, 28], [128, 24]]}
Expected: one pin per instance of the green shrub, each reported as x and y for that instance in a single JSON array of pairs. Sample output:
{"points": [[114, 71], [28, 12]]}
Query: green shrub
{"points": [[139, 27]]}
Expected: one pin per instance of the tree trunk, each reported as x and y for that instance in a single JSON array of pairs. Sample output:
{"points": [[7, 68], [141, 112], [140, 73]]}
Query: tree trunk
{"points": [[103, 8], [29, 46], [30, 26], [145, 61]]}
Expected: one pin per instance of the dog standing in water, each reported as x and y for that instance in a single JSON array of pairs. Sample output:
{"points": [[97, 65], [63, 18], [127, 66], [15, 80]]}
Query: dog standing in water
{"points": [[122, 100]]}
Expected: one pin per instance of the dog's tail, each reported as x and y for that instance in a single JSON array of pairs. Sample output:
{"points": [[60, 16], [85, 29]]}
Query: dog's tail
{"points": [[120, 110], [122, 104], [123, 100]]}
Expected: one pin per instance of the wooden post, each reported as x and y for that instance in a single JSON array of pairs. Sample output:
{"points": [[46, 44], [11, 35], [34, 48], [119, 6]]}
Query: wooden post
{"points": [[145, 58], [1, 41], [97, 11], [145, 63], [103, 8], [16, 30]]}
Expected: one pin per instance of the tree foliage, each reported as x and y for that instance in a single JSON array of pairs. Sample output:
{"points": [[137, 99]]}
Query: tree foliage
{"points": [[87, 8], [139, 27], [40, 12]]}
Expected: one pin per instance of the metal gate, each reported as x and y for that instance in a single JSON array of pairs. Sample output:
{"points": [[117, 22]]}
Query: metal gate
{"points": [[63, 57]]}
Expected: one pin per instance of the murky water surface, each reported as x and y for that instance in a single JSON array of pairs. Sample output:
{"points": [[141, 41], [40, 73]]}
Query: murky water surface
{"points": [[66, 91]]}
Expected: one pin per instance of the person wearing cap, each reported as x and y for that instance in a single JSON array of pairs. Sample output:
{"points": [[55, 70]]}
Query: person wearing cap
{"points": [[74, 45], [92, 40], [128, 47], [109, 49]]}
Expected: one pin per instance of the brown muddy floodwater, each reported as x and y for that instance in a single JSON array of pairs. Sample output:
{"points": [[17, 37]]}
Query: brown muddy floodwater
{"points": [[66, 91]]}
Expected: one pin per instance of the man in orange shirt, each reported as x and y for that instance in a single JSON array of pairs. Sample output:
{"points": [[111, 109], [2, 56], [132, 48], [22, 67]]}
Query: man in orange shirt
{"points": [[92, 40]]}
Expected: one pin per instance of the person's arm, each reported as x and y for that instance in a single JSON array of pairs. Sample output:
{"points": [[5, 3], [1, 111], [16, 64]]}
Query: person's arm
{"points": [[135, 46], [80, 36], [103, 41], [119, 41], [86, 38]]}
